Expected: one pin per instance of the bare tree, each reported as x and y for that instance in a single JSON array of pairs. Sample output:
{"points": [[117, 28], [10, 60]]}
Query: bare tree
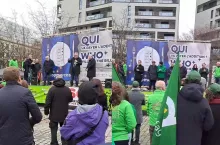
{"points": [[122, 28]]}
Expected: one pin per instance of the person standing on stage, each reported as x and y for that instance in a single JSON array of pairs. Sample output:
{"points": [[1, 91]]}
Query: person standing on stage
{"points": [[91, 68], [138, 72], [152, 75], [161, 71], [13, 63], [38, 71], [75, 62], [27, 67], [125, 69], [48, 69], [183, 71], [204, 71]]}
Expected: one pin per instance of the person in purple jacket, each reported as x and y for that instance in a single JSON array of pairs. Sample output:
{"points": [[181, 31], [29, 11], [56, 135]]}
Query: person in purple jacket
{"points": [[89, 115]]}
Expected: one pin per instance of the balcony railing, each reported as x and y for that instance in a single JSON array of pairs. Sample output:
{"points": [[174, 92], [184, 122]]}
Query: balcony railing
{"points": [[143, 25], [169, 37], [94, 17], [166, 14], [98, 2], [166, 1], [162, 26], [145, 13], [142, 1], [135, 1]]}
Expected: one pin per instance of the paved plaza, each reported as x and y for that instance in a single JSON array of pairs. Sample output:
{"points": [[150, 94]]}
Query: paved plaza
{"points": [[42, 132]]}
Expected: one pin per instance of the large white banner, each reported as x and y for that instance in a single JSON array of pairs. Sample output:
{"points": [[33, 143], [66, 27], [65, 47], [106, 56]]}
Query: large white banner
{"points": [[190, 53], [99, 44]]}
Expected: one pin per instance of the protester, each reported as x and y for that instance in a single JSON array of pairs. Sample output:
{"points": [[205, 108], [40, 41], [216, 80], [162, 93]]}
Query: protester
{"points": [[139, 72], [91, 68], [153, 105], [204, 71], [37, 71], [137, 99], [169, 71], [194, 114], [16, 103], [48, 69], [87, 123], [211, 137], [125, 71], [13, 62], [102, 98], [24, 84], [121, 72], [195, 67], [27, 67], [123, 119], [161, 71], [32, 72], [152, 74], [183, 71], [217, 73], [57, 103], [75, 64]]}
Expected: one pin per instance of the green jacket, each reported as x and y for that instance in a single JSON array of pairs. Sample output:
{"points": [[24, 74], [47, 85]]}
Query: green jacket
{"points": [[153, 106], [125, 69], [123, 121], [161, 71], [13, 63], [3, 83], [217, 72]]}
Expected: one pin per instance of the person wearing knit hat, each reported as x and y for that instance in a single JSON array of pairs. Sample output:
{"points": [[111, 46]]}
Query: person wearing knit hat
{"points": [[194, 114], [211, 137]]}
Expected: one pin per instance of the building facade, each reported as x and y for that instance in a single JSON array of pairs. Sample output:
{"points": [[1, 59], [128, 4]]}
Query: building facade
{"points": [[150, 19]]}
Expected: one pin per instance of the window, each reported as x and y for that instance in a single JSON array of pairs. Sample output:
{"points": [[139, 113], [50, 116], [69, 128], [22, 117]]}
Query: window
{"points": [[79, 19], [129, 22], [211, 25], [211, 14], [80, 4], [129, 10]]}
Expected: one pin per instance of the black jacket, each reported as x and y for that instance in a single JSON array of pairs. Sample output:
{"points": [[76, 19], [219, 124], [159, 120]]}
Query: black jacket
{"points": [[211, 137], [91, 68], [193, 115], [75, 68], [102, 100], [152, 72], [183, 72], [37, 67], [204, 72], [27, 65], [57, 102], [138, 72], [16, 103], [48, 66], [169, 71]]}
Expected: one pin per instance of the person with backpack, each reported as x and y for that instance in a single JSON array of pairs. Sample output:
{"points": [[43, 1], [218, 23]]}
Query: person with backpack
{"points": [[87, 124]]}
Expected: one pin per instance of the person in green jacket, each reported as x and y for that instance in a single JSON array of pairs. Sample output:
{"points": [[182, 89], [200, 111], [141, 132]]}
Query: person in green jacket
{"points": [[161, 71], [13, 63], [123, 118], [153, 105], [217, 73], [125, 71]]}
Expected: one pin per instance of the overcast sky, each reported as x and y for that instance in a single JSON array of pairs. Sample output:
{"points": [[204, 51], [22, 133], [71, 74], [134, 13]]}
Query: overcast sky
{"points": [[187, 10]]}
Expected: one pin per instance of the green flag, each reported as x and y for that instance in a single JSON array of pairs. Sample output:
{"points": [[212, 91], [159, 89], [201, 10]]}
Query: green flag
{"points": [[165, 128]]}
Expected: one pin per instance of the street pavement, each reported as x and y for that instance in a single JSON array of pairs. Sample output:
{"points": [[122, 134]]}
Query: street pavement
{"points": [[42, 132]]}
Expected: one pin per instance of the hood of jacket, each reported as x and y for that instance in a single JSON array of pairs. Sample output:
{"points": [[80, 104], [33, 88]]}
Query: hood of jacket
{"points": [[81, 119], [59, 83], [192, 92]]}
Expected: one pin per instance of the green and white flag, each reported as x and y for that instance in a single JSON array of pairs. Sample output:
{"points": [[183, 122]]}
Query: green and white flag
{"points": [[165, 128]]}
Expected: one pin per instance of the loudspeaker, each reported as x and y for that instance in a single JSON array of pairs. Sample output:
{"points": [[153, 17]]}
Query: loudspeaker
{"points": [[108, 83]]}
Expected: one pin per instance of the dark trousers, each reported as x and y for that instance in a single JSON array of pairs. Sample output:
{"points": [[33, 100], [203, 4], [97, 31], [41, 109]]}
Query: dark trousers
{"points": [[90, 78], [26, 76], [139, 81], [74, 78], [137, 133], [53, 129], [152, 85], [151, 131], [217, 80], [47, 79], [122, 142]]}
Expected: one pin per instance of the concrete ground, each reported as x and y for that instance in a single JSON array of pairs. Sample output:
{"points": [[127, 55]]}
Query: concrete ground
{"points": [[42, 132]]}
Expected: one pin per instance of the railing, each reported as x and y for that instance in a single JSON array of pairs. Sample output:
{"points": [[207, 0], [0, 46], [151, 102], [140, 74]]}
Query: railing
{"points": [[166, 2], [135, 1], [166, 14], [145, 13], [142, 1], [95, 17], [98, 2], [142, 25], [169, 37], [163, 26]]}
